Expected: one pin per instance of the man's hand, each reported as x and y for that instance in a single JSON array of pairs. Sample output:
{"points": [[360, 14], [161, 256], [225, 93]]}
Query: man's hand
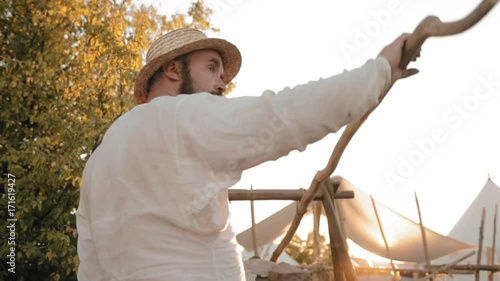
{"points": [[393, 53]]}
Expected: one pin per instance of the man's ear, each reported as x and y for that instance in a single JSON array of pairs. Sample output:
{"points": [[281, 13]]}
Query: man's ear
{"points": [[173, 70]]}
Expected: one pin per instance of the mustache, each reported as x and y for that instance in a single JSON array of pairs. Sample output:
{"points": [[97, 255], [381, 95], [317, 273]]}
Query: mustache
{"points": [[217, 93]]}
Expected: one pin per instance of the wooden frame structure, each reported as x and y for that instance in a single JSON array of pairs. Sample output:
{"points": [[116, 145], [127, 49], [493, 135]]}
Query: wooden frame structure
{"points": [[342, 265]]}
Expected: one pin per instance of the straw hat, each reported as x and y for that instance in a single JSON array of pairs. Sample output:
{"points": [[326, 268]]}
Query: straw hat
{"points": [[180, 42]]}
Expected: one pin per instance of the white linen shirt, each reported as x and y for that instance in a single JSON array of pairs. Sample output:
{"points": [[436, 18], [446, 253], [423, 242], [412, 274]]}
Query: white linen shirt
{"points": [[154, 201]]}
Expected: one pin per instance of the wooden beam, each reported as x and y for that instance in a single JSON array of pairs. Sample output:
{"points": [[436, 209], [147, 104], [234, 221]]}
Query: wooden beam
{"points": [[456, 269], [280, 194], [302, 207], [493, 245], [342, 266], [317, 210], [424, 237], [387, 248], [446, 267], [481, 237], [256, 251]]}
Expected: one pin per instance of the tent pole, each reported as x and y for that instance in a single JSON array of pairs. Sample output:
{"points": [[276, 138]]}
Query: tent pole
{"points": [[383, 234], [342, 266], [415, 274], [481, 236], [446, 267], [256, 251], [424, 238], [316, 206], [493, 245]]}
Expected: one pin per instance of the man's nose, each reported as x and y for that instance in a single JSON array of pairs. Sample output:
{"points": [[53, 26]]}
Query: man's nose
{"points": [[220, 86]]}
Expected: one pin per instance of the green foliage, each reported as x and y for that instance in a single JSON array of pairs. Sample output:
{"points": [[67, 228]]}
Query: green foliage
{"points": [[303, 251], [66, 72]]}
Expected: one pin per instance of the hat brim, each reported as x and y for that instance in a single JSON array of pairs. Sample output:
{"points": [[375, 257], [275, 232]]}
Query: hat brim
{"points": [[231, 58]]}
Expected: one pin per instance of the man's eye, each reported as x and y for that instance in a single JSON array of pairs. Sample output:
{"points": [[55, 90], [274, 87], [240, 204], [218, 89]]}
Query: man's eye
{"points": [[211, 68]]}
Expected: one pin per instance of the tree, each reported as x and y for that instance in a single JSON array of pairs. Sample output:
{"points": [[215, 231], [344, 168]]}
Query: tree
{"points": [[303, 250], [66, 72]]}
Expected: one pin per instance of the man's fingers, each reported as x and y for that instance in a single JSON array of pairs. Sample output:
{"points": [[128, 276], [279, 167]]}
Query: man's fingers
{"points": [[402, 38], [404, 73], [409, 72]]}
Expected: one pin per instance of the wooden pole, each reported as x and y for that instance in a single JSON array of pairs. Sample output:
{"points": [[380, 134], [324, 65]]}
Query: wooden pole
{"points": [[317, 218], [415, 273], [481, 237], [334, 245], [342, 266], [424, 238], [383, 235], [466, 269], [280, 194], [256, 251], [309, 195], [446, 267], [493, 244]]}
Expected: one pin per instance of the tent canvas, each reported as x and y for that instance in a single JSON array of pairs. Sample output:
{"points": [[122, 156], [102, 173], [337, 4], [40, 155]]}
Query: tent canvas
{"points": [[360, 225], [467, 229], [403, 235]]}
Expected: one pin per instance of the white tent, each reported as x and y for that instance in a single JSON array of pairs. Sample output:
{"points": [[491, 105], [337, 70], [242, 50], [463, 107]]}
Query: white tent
{"points": [[467, 227], [360, 225], [268, 229], [403, 235], [467, 230]]}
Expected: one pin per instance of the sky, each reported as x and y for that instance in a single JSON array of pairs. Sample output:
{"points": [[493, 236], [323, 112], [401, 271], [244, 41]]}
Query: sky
{"points": [[436, 134]]}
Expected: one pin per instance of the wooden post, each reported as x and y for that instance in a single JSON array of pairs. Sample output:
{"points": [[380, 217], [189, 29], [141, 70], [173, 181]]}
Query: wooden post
{"points": [[256, 251], [342, 266], [383, 235], [446, 267], [480, 250], [415, 274], [308, 196], [493, 245], [462, 269], [316, 217], [334, 243], [424, 238], [281, 194]]}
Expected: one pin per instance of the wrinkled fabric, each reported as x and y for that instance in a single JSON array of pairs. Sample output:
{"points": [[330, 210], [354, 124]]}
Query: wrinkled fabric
{"points": [[154, 200]]}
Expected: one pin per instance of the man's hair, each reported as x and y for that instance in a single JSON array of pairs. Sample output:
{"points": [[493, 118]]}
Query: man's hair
{"points": [[159, 74]]}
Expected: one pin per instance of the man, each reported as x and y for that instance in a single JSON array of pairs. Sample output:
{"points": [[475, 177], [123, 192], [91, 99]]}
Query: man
{"points": [[154, 201]]}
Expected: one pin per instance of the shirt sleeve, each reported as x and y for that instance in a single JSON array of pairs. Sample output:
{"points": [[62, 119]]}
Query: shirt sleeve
{"points": [[239, 133]]}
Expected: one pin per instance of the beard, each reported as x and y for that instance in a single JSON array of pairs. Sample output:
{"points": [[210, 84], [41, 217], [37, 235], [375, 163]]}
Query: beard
{"points": [[187, 86]]}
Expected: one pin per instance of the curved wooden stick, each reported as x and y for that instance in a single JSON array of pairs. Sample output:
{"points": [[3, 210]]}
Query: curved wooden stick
{"points": [[431, 26]]}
